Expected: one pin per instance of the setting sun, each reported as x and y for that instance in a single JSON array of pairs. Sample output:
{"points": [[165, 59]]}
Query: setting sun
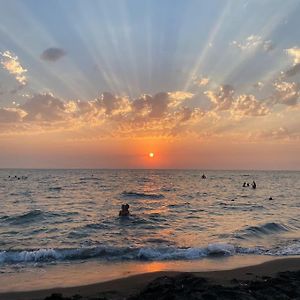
{"points": [[151, 154]]}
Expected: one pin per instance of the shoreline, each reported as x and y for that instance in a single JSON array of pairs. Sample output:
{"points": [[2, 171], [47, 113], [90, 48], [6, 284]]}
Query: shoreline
{"points": [[127, 286]]}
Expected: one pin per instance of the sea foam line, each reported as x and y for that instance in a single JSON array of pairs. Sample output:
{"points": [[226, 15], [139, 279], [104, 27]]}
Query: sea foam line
{"points": [[146, 253]]}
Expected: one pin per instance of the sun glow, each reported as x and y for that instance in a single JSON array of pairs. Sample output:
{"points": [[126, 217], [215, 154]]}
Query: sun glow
{"points": [[151, 154]]}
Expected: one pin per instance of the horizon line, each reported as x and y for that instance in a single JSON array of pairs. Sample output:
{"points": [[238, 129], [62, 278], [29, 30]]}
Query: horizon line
{"points": [[157, 169]]}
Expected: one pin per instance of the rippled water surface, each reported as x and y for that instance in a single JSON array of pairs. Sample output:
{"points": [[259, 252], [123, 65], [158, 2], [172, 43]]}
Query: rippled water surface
{"points": [[50, 216]]}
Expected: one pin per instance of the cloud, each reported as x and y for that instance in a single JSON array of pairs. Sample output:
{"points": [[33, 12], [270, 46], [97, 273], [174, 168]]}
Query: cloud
{"points": [[112, 105], [248, 105], [53, 54], [202, 81], [242, 105], [286, 93], [11, 63], [10, 115], [294, 53], [254, 42], [294, 70], [163, 113], [223, 98], [44, 107]]}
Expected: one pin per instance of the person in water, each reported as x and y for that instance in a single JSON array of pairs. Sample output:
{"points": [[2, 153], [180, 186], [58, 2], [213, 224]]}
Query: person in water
{"points": [[203, 176], [244, 185], [124, 212], [254, 184]]}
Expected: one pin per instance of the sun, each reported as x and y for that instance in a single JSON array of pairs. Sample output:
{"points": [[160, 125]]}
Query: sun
{"points": [[151, 154]]}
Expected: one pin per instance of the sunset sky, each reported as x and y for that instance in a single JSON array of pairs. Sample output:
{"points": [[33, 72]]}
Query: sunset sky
{"points": [[209, 84]]}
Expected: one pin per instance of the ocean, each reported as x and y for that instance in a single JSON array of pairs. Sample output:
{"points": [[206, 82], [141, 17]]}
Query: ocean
{"points": [[59, 217]]}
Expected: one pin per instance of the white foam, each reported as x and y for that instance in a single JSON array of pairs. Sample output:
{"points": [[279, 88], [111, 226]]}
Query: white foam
{"points": [[162, 253], [293, 249], [221, 248]]}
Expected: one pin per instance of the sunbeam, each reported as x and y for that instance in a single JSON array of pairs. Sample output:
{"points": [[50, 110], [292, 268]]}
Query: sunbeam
{"points": [[209, 43]]}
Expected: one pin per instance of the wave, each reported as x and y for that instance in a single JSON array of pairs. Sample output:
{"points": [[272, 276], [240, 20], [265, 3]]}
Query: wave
{"points": [[111, 253], [139, 254], [132, 194], [265, 229], [34, 216], [25, 217]]}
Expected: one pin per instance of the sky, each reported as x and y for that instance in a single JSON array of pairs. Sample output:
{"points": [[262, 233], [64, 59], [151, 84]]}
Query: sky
{"points": [[207, 84]]}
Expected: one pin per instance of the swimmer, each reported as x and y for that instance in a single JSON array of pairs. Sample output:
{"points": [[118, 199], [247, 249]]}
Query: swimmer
{"points": [[254, 184], [124, 212]]}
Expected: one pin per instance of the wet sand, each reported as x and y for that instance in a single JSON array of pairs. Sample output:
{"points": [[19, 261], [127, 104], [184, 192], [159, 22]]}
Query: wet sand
{"points": [[263, 278]]}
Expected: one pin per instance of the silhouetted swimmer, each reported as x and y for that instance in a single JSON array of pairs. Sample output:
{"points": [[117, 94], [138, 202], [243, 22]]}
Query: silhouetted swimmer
{"points": [[253, 185], [124, 212], [244, 185], [203, 176], [248, 184], [270, 198]]}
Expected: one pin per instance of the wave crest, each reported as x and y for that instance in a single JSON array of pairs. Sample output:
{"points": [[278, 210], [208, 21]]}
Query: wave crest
{"points": [[265, 229]]}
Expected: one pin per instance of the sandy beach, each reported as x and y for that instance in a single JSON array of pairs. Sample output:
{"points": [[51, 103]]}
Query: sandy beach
{"points": [[279, 274]]}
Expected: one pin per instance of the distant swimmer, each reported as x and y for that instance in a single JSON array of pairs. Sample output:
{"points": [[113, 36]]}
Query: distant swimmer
{"points": [[245, 184], [253, 185], [203, 176], [270, 198], [248, 184], [124, 212]]}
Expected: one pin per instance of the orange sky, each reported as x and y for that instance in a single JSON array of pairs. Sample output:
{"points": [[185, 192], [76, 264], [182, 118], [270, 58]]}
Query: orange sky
{"points": [[29, 152]]}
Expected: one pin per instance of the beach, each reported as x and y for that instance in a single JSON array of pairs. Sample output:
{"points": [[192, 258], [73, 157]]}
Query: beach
{"points": [[276, 276], [149, 150]]}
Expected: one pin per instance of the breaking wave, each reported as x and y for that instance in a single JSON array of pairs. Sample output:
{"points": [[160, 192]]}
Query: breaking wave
{"points": [[146, 253]]}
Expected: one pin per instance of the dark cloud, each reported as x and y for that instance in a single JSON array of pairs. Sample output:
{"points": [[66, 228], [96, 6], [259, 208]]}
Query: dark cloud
{"points": [[9, 115], [53, 54], [110, 103], [44, 108], [158, 104], [294, 70]]}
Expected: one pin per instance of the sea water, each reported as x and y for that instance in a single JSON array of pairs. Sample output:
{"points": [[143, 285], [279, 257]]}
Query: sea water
{"points": [[58, 217]]}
